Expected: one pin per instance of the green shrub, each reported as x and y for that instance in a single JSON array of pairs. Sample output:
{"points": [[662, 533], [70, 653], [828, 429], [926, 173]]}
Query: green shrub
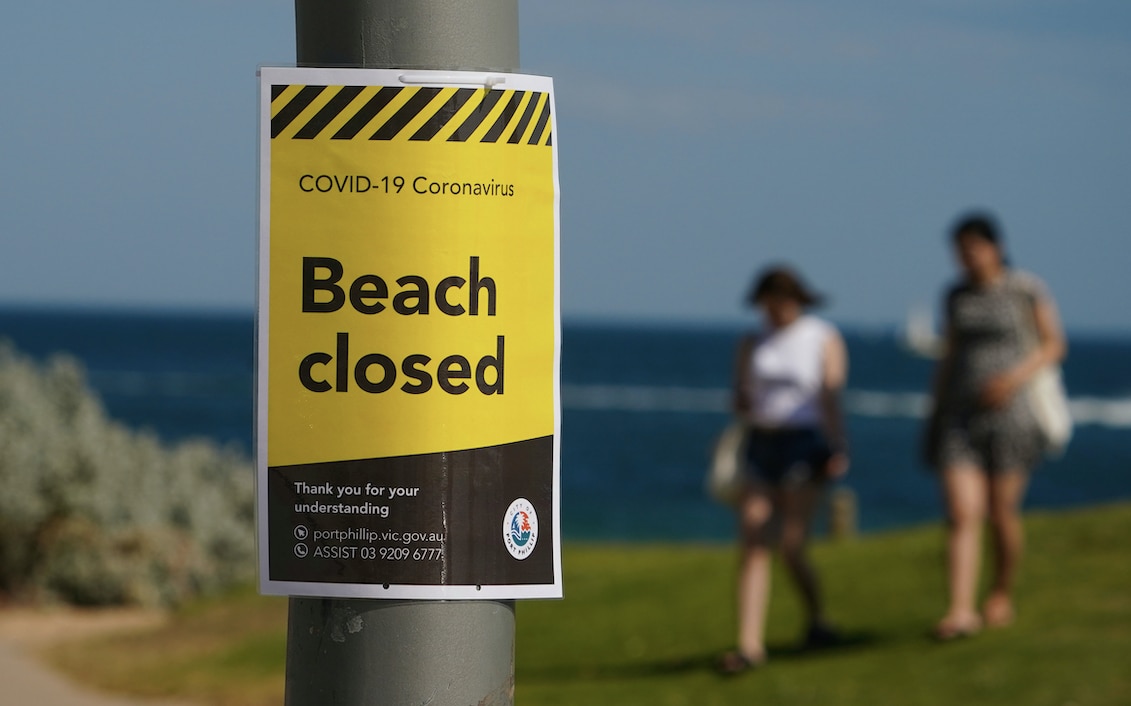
{"points": [[94, 513]]}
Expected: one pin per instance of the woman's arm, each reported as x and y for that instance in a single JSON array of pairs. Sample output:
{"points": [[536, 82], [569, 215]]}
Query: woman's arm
{"points": [[940, 381], [834, 377], [740, 401], [940, 389], [1050, 349]]}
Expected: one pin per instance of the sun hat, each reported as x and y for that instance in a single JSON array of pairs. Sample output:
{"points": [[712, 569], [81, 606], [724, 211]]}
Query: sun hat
{"points": [[784, 281]]}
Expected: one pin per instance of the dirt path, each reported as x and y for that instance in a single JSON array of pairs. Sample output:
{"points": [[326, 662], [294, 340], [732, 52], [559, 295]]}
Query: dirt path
{"points": [[26, 681]]}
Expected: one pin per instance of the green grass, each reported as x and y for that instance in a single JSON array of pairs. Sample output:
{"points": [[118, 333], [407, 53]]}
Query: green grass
{"points": [[642, 624]]}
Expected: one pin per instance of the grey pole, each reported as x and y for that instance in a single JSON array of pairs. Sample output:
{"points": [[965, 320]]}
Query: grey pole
{"points": [[408, 34], [371, 652]]}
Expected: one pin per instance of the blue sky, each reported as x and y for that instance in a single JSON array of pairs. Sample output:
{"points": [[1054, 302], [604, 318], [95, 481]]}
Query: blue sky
{"points": [[698, 141]]}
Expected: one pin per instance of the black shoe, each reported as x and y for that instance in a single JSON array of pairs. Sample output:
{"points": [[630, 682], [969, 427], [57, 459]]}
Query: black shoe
{"points": [[821, 635]]}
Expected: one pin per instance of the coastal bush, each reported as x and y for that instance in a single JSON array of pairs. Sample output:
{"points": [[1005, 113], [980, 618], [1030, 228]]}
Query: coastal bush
{"points": [[94, 513]]}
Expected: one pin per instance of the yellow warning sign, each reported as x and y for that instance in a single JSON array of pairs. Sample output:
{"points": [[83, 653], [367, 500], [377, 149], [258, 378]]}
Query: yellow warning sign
{"points": [[408, 265]]}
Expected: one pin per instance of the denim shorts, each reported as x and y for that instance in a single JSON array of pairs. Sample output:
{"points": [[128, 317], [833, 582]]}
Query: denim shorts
{"points": [[786, 457]]}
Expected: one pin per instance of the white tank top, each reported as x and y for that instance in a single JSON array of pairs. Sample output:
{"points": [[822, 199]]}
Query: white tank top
{"points": [[786, 373]]}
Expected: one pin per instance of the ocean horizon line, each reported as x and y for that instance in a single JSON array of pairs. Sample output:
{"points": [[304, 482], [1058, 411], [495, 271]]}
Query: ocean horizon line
{"points": [[723, 323]]}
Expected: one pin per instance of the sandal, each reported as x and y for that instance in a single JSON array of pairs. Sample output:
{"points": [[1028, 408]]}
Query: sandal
{"points": [[734, 663], [998, 611], [950, 630]]}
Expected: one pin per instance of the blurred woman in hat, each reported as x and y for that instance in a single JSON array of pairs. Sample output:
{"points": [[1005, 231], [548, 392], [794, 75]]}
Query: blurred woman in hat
{"points": [[788, 382]]}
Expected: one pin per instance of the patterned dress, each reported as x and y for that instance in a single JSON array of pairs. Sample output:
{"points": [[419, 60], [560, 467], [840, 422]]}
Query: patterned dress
{"points": [[992, 329]]}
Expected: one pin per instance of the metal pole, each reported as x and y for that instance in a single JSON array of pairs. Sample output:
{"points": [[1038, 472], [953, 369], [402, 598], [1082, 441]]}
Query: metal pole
{"points": [[409, 34], [371, 652]]}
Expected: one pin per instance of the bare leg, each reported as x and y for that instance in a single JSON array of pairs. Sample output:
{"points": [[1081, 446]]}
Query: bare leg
{"points": [[798, 505], [965, 489], [754, 573], [1006, 492]]}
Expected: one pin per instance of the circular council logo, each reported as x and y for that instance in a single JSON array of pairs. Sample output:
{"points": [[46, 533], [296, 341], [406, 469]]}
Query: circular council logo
{"points": [[520, 528]]}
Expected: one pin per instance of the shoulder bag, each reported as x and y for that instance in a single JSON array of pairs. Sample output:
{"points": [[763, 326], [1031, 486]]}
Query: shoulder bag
{"points": [[725, 478], [1046, 395]]}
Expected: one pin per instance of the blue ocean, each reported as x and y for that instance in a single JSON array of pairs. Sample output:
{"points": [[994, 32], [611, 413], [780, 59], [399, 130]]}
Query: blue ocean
{"points": [[642, 405]]}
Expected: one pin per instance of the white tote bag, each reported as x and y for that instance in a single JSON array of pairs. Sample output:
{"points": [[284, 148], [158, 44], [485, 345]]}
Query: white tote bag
{"points": [[1046, 395], [1049, 403], [725, 479]]}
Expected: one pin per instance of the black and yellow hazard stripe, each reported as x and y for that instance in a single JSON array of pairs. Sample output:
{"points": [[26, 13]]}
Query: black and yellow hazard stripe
{"points": [[416, 113]]}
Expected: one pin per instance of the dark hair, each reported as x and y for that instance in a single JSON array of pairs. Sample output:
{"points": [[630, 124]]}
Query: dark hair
{"points": [[980, 224], [782, 280]]}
